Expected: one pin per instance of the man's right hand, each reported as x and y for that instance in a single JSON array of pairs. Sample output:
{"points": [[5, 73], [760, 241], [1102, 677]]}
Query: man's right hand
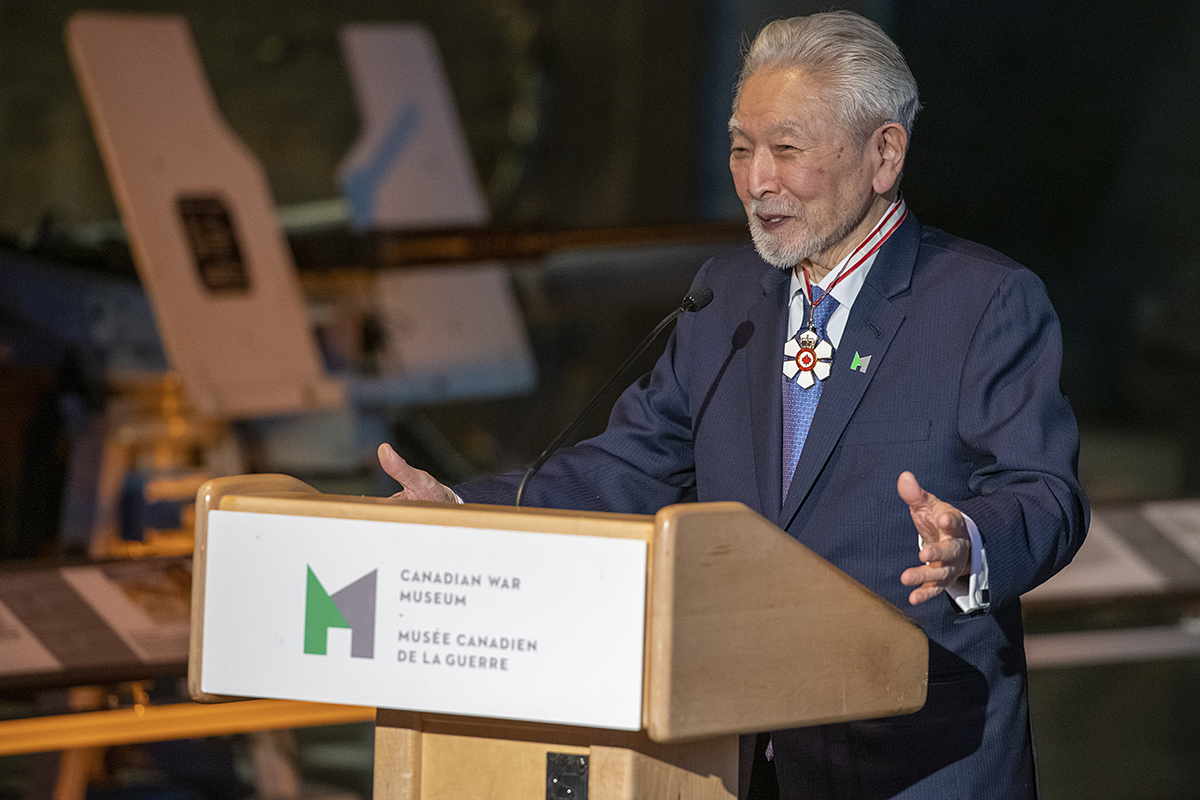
{"points": [[417, 483]]}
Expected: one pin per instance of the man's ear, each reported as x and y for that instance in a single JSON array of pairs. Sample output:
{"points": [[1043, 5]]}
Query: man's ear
{"points": [[889, 144]]}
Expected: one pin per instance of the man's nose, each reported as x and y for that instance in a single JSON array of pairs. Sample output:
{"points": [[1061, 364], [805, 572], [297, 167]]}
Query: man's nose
{"points": [[762, 178]]}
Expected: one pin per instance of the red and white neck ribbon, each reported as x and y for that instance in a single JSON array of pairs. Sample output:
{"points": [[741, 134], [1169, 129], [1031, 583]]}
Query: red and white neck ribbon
{"points": [[887, 225], [806, 357]]}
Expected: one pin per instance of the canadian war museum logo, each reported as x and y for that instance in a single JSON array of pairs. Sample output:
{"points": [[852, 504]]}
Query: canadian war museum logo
{"points": [[351, 607]]}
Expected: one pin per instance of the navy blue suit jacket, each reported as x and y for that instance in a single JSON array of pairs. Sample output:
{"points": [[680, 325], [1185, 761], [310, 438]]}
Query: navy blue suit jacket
{"points": [[962, 388]]}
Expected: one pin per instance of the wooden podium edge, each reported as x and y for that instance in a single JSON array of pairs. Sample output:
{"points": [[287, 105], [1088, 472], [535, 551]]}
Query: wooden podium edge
{"points": [[755, 632]]}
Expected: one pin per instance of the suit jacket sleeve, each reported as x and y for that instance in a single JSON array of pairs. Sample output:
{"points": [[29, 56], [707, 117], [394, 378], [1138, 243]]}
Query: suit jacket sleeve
{"points": [[1024, 492]]}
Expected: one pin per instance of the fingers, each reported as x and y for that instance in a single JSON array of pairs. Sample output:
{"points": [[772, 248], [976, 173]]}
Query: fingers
{"points": [[399, 469], [945, 541], [944, 564], [924, 594], [951, 550], [389, 459], [935, 520], [931, 579], [934, 574], [911, 491], [417, 483]]}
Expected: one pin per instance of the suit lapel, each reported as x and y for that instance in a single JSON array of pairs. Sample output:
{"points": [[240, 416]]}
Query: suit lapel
{"points": [[765, 358], [872, 325]]}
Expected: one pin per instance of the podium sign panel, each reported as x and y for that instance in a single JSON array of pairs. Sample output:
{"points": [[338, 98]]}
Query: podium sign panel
{"points": [[459, 620]]}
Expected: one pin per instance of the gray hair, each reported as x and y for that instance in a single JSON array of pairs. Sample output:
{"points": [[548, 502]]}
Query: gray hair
{"points": [[865, 73]]}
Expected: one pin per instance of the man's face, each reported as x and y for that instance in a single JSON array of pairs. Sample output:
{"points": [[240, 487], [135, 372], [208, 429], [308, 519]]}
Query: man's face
{"points": [[805, 184]]}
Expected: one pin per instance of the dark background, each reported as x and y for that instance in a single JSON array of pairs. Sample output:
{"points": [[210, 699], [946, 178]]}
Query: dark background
{"points": [[1057, 132]]}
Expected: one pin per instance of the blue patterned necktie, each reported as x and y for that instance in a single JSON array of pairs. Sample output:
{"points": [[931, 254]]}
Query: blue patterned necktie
{"points": [[799, 404]]}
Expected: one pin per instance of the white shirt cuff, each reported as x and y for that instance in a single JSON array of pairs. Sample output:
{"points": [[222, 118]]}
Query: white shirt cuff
{"points": [[972, 594]]}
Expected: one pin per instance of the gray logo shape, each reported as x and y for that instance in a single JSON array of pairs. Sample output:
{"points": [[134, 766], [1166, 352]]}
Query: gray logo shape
{"points": [[357, 604]]}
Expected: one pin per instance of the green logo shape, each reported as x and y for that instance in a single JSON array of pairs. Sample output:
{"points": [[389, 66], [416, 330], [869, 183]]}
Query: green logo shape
{"points": [[320, 614], [860, 362]]}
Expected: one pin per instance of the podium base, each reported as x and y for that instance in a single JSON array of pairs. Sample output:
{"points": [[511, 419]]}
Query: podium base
{"points": [[440, 757]]}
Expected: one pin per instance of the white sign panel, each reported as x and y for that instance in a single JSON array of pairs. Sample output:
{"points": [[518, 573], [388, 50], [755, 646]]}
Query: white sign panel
{"points": [[490, 623]]}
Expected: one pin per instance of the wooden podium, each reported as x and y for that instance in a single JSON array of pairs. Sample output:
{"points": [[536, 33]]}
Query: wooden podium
{"points": [[745, 630]]}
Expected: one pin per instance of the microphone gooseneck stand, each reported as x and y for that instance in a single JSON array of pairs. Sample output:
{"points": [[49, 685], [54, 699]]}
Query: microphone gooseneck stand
{"points": [[695, 300]]}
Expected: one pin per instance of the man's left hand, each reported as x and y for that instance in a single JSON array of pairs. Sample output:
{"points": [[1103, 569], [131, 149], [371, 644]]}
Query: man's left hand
{"points": [[945, 542]]}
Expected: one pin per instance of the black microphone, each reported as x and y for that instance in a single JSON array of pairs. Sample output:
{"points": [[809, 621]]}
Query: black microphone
{"points": [[695, 300]]}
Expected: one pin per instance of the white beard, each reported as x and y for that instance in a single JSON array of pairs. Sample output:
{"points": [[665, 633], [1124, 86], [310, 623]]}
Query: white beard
{"points": [[784, 251]]}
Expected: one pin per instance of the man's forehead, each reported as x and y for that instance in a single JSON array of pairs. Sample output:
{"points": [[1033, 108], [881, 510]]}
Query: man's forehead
{"points": [[775, 127], [782, 102]]}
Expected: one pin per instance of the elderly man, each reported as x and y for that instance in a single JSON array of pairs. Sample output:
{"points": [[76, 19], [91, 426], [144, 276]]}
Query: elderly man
{"points": [[853, 355]]}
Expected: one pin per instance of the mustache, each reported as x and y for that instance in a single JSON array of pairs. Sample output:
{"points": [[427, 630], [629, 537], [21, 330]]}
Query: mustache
{"points": [[774, 208]]}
